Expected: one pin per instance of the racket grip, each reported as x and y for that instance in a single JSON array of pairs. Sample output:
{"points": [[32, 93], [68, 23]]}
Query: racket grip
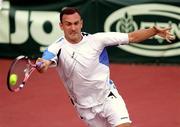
{"points": [[39, 65]]}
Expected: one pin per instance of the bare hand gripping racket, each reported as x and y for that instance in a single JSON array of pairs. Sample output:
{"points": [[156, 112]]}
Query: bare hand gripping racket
{"points": [[19, 72]]}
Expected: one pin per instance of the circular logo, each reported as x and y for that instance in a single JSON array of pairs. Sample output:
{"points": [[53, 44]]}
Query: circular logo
{"points": [[142, 16]]}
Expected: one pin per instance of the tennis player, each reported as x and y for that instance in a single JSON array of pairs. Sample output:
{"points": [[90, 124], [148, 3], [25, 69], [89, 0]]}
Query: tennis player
{"points": [[83, 65]]}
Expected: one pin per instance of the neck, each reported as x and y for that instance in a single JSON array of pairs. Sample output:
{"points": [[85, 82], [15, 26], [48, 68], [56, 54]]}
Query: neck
{"points": [[74, 41]]}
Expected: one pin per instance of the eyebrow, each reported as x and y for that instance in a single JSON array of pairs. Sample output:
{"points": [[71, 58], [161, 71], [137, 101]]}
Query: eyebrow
{"points": [[71, 22]]}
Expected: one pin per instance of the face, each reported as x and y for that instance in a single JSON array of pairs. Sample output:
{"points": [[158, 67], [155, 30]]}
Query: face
{"points": [[71, 25]]}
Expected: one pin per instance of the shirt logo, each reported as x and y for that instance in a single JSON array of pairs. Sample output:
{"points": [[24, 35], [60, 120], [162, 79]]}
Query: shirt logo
{"points": [[73, 55]]}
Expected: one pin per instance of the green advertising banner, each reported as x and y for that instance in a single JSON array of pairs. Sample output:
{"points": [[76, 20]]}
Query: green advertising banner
{"points": [[28, 28]]}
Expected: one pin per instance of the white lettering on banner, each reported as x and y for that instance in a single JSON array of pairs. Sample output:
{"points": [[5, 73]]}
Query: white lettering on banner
{"points": [[38, 18], [124, 21], [21, 28], [4, 27], [4, 21], [28, 23]]}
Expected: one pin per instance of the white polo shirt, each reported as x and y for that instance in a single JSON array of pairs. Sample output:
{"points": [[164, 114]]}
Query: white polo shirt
{"points": [[84, 67]]}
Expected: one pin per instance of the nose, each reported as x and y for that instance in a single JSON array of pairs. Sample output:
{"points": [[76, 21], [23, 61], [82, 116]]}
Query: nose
{"points": [[73, 27]]}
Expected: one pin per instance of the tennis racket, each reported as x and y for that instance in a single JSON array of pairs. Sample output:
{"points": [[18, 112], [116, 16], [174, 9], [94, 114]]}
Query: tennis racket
{"points": [[19, 72]]}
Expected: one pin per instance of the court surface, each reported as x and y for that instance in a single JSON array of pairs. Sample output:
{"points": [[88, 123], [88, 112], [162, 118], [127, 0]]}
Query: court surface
{"points": [[151, 92]]}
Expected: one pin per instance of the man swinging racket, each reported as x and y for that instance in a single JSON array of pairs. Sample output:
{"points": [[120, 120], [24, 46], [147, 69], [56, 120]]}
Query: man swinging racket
{"points": [[83, 65]]}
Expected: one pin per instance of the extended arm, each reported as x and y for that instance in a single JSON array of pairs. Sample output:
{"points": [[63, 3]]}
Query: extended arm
{"points": [[143, 34]]}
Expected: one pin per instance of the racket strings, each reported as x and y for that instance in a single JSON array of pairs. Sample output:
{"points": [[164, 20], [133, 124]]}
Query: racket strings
{"points": [[20, 69]]}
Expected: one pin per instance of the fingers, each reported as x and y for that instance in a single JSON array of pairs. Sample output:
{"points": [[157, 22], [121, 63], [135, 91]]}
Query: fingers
{"points": [[39, 60], [41, 65], [165, 33], [167, 29], [160, 29], [169, 38]]}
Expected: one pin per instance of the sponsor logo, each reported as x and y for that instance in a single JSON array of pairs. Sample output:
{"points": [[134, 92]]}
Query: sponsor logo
{"points": [[124, 118], [41, 26], [141, 16]]}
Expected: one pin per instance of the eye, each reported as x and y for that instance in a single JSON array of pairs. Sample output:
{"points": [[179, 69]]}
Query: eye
{"points": [[67, 24], [76, 23]]}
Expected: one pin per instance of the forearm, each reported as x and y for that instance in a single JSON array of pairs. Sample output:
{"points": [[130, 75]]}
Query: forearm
{"points": [[141, 35]]}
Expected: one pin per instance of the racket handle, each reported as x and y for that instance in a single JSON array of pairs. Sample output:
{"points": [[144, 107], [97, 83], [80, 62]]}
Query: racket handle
{"points": [[39, 64]]}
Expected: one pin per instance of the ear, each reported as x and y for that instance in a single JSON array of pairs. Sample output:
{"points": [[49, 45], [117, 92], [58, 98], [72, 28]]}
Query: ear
{"points": [[61, 26]]}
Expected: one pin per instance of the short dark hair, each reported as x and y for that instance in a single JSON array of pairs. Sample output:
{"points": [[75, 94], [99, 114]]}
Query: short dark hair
{"points": [[68, 11]]}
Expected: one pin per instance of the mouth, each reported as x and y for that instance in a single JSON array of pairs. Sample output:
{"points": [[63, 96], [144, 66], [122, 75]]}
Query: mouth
{"points": [[73, 33]]}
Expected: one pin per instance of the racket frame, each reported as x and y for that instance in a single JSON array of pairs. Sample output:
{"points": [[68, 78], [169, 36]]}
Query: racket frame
{"points": [[29, 70]]}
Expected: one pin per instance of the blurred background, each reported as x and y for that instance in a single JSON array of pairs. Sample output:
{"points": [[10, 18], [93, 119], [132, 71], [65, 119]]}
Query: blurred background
{"points": [[147, 74], [29, 27]]}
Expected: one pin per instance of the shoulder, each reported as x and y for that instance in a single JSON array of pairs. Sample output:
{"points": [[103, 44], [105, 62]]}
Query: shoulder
{"points": [[56, 45], [109, 34], [60, 40], [85, 34]]}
